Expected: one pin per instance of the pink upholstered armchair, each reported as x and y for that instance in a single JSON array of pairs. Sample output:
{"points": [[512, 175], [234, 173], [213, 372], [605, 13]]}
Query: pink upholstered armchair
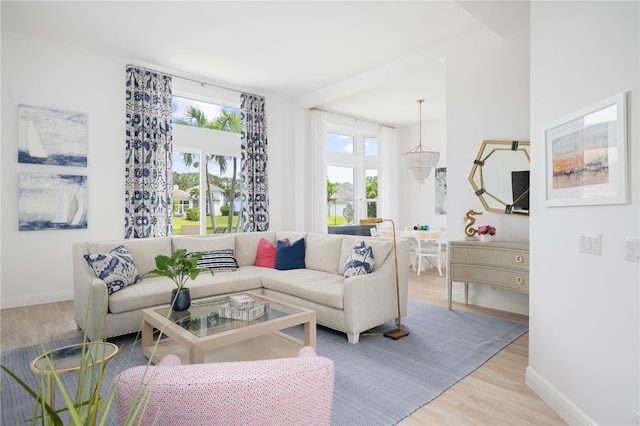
{"points": [[270, 392]]}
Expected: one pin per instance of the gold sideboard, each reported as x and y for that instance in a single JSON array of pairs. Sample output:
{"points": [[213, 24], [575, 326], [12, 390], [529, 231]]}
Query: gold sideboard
{"points": [[497, 263]]}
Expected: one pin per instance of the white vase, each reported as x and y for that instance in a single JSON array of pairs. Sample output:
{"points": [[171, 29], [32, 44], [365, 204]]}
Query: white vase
{"points": [[486, 237]]}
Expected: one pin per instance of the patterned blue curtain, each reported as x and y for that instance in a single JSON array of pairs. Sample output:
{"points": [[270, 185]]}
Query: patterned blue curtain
{"points": [[148, 168], [253, 164]]}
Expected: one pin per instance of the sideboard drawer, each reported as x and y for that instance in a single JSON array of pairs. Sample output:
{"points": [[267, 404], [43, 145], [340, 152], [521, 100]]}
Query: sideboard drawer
{"points": [[516, 259], [517, 280], [499, 263]]}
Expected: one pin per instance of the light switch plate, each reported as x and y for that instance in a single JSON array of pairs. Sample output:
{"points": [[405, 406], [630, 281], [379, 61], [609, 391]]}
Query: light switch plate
{"points": [[632, 249], [591, 243]]}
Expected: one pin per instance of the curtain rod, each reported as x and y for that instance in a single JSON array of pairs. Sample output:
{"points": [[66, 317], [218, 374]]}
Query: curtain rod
{"points": [[352, 118], [200, 82], [204, 83]]}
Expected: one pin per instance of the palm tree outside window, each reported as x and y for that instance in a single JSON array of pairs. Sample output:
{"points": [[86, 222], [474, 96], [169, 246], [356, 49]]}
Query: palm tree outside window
{"points": [[222, 184]]}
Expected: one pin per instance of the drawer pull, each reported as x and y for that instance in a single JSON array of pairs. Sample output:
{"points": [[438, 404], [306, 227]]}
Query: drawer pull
{"points": [[520, 280], [465, 272], [464, 253], [519, 259]]}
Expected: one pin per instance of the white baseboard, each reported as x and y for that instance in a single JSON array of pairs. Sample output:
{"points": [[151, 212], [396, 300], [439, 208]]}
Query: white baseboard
{"points": [[18, 302], [556, 400]]}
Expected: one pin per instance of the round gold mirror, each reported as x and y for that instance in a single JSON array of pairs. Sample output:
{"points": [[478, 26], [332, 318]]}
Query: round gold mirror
{"points": [[500, 176]]}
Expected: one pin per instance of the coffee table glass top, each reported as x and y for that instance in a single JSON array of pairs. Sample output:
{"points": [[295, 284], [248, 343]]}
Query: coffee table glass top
{"points": [[203, 317]]}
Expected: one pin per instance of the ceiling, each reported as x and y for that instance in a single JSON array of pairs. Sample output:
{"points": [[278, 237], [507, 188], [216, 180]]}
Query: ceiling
{"points": [[369, 60]]}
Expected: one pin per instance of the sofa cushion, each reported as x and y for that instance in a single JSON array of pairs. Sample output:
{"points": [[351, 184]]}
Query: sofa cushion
{"points": [[117, 268], [218, 260], [382, 247], [154, 291], [244, 279], [142, 250], [290, 255], [322, 252], [151, 291], [359, 260], [266, 254], [290, 235], [204, 243], [316, 286], [247, 246]]}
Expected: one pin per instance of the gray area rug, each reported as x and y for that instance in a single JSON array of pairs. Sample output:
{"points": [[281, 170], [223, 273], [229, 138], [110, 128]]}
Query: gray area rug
{"points": [[379, 381]]}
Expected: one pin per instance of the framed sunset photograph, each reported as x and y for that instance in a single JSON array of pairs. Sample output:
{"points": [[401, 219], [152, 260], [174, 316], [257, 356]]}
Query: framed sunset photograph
{"points": [[586, 156]]}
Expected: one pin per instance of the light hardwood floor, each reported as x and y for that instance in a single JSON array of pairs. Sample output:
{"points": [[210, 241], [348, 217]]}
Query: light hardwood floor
{"points": [[494, 394]]}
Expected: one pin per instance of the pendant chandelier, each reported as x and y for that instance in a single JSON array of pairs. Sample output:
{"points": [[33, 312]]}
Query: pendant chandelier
{"points": [[420, 160]]}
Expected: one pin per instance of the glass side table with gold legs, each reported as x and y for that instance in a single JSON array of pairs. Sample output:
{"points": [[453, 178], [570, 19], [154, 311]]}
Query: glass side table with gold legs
{"points": [[69, 358]]}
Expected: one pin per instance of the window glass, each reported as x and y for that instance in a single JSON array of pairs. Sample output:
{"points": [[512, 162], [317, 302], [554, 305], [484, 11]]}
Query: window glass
{"points": [[342, 144], [186, 181], [190, 112], [352, 147], [205, 191], [340, 195], [370, 146], [371, 190]]}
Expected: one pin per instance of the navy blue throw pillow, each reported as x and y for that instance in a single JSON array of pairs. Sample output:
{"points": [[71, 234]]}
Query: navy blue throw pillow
{"points": [[290, 256]]}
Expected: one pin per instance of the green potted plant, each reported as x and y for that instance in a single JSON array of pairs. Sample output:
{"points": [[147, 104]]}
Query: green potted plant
{"points": [[83, 403], [179, 267]]}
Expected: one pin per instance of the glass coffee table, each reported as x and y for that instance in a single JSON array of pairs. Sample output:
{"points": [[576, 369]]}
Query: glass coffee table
{"points": [[201, 334]]}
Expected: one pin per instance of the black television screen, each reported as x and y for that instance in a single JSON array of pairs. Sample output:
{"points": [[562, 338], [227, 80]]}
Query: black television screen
{"points": [[519, 184]]}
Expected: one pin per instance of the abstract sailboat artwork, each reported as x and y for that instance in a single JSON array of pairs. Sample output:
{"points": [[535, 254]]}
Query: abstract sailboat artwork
{"points": [[69, 210], [34, 144], [48, 136], [51, 201]]}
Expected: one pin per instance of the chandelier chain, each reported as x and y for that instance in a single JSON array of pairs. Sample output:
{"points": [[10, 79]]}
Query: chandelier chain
{"points": [[420, 101]]}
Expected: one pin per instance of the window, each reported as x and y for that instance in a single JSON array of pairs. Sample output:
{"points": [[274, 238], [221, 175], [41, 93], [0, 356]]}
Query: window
{"points": [[340, 193], [205, 191], [352, 173], [371, 191], [341, 144], [371, 146]]}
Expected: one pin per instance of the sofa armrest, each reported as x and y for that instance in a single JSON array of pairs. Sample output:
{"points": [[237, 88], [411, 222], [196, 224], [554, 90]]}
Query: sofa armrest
{"points": [[366, 297], [90, 297]]}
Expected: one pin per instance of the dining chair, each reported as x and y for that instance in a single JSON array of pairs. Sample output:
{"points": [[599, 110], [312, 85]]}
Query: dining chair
{"points": [[430, 246]]}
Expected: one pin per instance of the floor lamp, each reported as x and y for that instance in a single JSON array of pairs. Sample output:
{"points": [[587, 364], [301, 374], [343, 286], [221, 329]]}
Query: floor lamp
{"points": [[398, 332]]}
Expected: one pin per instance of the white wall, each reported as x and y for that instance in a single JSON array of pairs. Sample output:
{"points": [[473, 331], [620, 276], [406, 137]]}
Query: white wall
{"points": [[36, 266], [584, 325], [418, 200], [487, 98]]}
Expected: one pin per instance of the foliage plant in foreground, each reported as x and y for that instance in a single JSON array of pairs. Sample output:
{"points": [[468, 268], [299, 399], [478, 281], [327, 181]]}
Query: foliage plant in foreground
{"points": [[85, 406]]}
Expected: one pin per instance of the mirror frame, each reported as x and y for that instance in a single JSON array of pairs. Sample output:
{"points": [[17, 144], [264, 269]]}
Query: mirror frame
{"points": [[488, 148]]}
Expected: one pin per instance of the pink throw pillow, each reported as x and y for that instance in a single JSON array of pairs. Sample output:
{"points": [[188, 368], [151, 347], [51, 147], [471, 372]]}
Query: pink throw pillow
{"points": [[266, 256]]}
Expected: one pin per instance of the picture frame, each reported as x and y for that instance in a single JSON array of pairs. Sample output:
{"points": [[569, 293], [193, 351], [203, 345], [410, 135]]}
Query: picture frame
{"points": [[586, 156], [52, 201], [52, 137], [441, 190]]}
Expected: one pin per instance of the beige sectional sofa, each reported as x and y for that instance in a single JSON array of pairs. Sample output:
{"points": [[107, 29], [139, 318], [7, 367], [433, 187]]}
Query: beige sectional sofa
{"points": [[351, 305]]}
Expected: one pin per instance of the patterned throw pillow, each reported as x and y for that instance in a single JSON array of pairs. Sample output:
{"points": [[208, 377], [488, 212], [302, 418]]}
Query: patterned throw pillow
{"points": [[359, 261], [116, 268], [218, 260]]}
